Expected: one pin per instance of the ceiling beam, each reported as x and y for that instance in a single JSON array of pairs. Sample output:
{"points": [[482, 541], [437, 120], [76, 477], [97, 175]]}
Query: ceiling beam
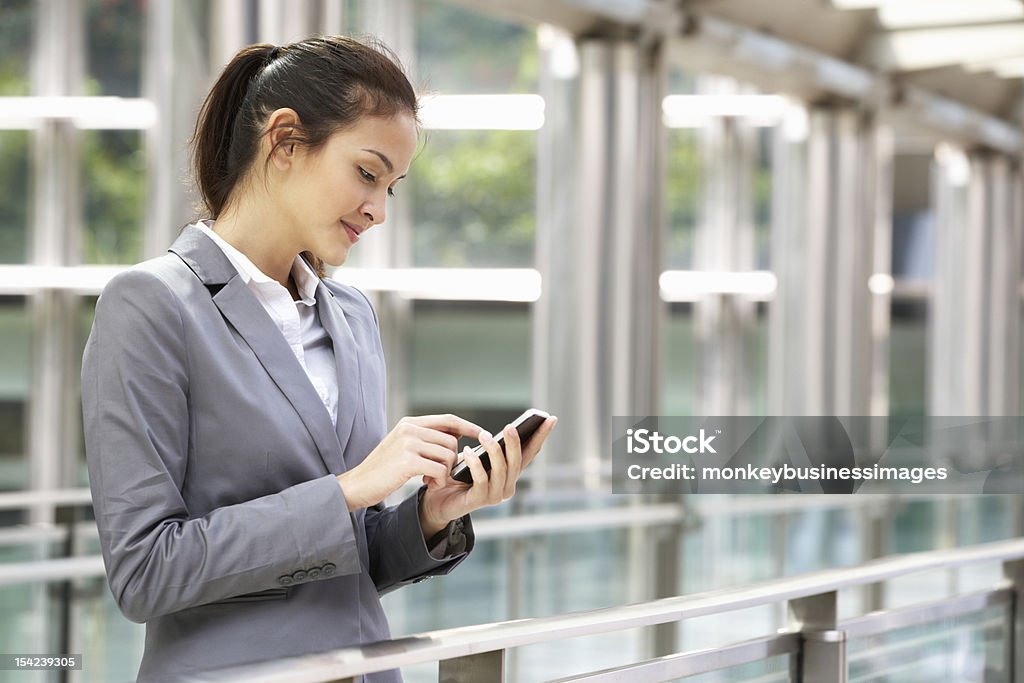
{"points": [[916, 49]]}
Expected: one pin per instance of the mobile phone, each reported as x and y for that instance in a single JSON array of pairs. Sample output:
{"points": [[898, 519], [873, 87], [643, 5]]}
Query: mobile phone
{"points": [[526, 424]]}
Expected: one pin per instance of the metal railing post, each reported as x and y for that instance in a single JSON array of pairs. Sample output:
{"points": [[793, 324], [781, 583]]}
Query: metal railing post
{"points": [[823, 651], [485, 667], [1014, 571]]}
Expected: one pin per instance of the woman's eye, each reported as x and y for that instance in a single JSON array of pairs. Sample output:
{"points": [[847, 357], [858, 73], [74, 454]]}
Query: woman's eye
{"points": [[368, 177], [391, 192]]}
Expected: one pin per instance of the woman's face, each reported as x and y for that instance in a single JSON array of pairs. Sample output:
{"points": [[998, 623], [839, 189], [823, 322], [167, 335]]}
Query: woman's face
{"points": [[340, 190]]}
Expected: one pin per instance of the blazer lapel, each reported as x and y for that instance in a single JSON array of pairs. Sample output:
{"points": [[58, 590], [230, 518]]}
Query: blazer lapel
{"points": [[350, 401], [245, 313]]}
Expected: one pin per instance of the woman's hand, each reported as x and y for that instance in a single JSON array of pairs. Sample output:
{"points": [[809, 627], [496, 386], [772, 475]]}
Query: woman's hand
{"points": [[417, 446], [446, 499]]}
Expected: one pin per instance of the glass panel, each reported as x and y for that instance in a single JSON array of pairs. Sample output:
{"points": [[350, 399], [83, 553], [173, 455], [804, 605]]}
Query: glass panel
{"points": [[470, 359], [758, 359], [110, 644], [473, 196], [15, 195], [461, 52], [913, 231], [115, 31], [965, 650], [908, 358], [36, 615], [763, 199], [914, 526], [114, 192], [16, 37], [774, 670], [86, 313], [682, 194], [681, 387], [15, 383]]}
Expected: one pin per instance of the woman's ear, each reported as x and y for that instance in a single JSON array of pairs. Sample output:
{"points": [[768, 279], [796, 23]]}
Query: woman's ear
{"points": [[281, 128]]}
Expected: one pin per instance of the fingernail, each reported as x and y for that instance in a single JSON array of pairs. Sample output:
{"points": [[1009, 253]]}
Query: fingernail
{"points": [[485, 435]]}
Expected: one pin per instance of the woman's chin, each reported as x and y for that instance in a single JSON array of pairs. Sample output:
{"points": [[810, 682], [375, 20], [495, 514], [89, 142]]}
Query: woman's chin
{"points": [[336, 257]]}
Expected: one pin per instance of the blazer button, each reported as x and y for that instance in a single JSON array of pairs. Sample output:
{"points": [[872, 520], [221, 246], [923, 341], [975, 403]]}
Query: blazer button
{"points": [[285, 580], [313, 573], [328, 569], [299, 575]]}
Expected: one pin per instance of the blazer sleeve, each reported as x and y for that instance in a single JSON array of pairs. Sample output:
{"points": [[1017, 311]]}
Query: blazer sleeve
{"points": [[398, 552], [159, 557]]}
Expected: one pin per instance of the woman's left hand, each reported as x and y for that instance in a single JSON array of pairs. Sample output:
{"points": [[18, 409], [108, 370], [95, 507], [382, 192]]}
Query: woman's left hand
{"points": [[446, 500]]}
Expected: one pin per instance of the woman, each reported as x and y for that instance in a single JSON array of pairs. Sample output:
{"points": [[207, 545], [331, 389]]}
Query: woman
{"points": [[233, 397]]}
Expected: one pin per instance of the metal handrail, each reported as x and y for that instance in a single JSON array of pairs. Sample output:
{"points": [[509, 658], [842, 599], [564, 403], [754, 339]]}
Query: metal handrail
{"points": [[472, 641], [517, 526], [19, 500]]}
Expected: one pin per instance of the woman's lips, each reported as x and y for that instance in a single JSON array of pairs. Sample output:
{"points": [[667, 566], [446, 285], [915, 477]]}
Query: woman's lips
{"points": [[353, 234]]}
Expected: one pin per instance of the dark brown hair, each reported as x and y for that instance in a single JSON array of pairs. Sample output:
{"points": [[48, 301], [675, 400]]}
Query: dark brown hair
{"points": [[330, 82]]}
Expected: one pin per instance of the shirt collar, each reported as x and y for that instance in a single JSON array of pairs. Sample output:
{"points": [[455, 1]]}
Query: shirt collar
{"points": [[305, 279]]}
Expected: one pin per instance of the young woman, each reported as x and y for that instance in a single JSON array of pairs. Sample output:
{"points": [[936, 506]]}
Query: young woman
{"points": [[233, 396]]}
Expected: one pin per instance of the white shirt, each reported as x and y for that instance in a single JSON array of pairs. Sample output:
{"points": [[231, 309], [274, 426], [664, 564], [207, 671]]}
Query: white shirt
{"points": [[297, 320]]}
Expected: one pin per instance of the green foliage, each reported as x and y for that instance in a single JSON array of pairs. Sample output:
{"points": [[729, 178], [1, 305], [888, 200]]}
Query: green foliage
{"points": [[114, 33], [114, 194], [16, 39], [473, 191], [463, 52], [14, 196], [473, 197], [682, 193]]}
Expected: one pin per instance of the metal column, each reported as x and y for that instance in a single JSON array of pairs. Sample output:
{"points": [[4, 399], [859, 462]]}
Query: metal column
{"points": [[725, 243], [823, 249], [975, 328]]}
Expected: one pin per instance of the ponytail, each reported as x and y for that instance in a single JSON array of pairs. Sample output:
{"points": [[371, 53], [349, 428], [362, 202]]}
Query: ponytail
{"points": [[217, 140]]}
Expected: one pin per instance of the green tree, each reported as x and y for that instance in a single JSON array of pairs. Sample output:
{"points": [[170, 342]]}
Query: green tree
{"points": [[473, 191]]}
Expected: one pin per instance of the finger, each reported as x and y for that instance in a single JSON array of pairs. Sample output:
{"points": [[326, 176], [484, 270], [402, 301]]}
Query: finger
{"points": [[431, 435], [499, 470], [440, 454], [478, 473], [448, 423], [514, 461], [537, 440], [434, 469]]}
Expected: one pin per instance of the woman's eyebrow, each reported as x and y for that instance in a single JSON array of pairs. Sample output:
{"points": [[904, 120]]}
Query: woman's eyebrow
{"points": [[387, 162]]}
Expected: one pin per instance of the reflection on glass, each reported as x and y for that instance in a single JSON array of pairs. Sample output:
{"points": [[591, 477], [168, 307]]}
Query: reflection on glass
{"points": [[114, 192], [461, 52], [15, 383], [908, 338], [682, 196], [964, 649], [473, 196], [114, 33], [14, 195], [16, 38]]}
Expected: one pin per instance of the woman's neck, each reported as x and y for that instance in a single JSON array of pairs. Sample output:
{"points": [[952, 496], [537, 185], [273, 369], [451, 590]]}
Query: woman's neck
{"points": [[257, 232]]}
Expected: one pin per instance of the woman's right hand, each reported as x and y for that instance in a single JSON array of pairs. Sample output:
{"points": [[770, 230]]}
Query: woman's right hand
{"points": [[417, 446]]}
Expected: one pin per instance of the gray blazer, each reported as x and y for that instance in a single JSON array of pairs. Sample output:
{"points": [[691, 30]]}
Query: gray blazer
{"points": [[212, 462]]}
